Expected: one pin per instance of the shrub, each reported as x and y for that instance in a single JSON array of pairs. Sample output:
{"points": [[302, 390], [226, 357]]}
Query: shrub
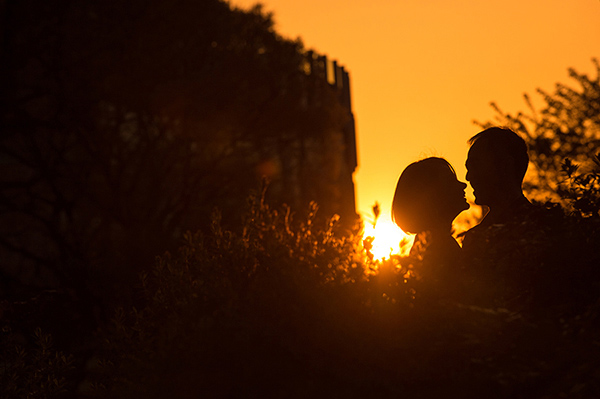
{"points": [[234, 307], [34, 368], [296, 307]]}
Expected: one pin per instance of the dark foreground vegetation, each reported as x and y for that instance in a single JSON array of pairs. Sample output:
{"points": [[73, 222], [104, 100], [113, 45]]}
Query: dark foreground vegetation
{"points": [[293, 308]]}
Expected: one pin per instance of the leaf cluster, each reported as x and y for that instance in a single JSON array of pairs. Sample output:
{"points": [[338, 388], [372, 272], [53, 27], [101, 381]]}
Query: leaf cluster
{"points": [[34, 368], [581, 191]]}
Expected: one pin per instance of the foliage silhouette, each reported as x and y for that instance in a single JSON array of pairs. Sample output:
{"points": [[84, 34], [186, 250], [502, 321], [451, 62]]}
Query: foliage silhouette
{"points": [[124, 125], [36, 369], [290, 307], [279, 281]]}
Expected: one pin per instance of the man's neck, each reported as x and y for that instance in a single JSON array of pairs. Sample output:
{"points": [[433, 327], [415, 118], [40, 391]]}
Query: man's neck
{"points": [[502, 211]]}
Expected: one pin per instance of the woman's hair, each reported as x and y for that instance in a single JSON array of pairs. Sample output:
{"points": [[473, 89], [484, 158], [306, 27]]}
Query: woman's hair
{"points": [[414, 204]]}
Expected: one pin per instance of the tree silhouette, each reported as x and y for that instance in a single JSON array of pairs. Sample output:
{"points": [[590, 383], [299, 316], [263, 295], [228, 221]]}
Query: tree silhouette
{"points": [[126, 123]]}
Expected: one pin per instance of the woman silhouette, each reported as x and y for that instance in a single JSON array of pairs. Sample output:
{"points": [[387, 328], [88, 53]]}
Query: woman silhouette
{"points": [[428, 198]]}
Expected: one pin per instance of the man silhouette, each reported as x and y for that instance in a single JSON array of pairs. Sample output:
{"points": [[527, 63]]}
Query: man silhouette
{"points": [[496, 166], [508, 248]]}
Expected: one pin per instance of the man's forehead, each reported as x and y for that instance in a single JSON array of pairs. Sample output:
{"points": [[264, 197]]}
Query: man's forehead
{"points": [[483, 146], [480, 151]]}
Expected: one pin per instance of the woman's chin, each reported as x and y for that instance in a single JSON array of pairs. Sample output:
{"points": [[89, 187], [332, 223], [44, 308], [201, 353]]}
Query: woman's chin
{"points": [[463, 207]]}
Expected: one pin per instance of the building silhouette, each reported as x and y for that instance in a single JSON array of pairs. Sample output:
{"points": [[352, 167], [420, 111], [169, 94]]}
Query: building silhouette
{"points": [[320, 167]]}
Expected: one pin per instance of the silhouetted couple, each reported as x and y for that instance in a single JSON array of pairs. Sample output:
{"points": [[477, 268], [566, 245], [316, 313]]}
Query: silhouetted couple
{"points": [[497, 259]]}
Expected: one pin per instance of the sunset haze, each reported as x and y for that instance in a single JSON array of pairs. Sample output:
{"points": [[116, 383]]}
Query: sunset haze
{"points": [[422, 71]]}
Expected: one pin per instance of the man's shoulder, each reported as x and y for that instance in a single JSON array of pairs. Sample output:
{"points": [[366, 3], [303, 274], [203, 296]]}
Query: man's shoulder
{"points": [[530, 214], [532, 222], [542, 216]]}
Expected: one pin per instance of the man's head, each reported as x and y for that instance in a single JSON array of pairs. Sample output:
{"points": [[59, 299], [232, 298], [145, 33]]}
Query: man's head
{"points": [[496, 166]]}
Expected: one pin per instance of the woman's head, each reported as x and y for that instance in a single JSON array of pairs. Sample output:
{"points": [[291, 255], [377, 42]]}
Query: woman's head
{"points": [[428, 196]]}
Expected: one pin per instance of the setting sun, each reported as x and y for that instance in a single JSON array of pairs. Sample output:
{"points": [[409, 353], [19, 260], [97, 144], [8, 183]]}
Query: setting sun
{"points": [[389, 239]]}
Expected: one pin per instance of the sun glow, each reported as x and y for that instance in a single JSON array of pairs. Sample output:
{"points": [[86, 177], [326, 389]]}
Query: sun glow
{"points": [[388, 239]]}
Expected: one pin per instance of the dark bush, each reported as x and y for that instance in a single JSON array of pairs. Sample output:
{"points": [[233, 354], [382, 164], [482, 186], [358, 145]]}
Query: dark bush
{"points": [[289, 306], [293, 308]]}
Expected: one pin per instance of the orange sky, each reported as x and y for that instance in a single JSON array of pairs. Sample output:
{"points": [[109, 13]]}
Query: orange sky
{"points": [[422, 70]]}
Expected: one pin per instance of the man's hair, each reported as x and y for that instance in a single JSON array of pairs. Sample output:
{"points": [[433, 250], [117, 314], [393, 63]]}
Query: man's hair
{"points": [[504, 143]]}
